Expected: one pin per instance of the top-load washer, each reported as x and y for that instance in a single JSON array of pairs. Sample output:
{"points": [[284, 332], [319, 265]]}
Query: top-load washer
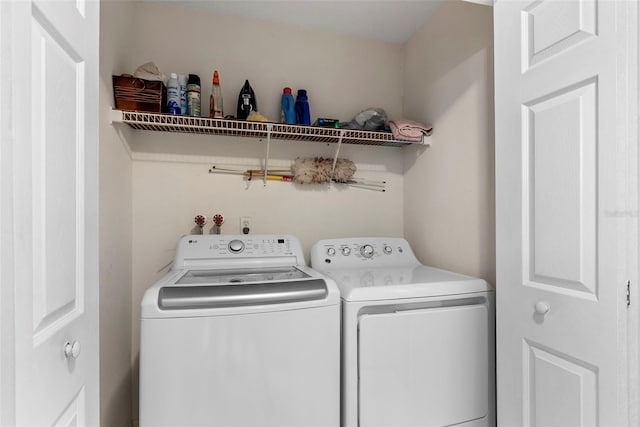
{"points": [[417, 342], [240, 333]]}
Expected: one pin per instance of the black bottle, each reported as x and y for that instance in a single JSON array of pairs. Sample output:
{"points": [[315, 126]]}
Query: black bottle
{"points": [[246, 101]]}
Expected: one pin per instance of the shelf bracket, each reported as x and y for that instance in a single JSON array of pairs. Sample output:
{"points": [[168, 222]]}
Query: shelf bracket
{"points": [[266, 155], [116, 116], [335, 157]]}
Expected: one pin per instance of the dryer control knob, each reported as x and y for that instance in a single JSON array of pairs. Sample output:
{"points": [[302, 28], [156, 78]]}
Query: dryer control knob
{"points": [[366, 251], [346, 251], [387, 249], [331, 251], [236, 246]]}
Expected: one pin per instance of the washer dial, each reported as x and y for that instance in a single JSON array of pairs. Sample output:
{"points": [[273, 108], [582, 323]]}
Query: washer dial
{"points": [[387, 249], [346, 251], [331, 251], [236, 246]]}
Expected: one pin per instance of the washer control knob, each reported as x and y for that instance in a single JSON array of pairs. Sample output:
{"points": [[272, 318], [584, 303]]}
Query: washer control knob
{"points": [[346, 251], [331, 251], [366, 251], [387, 249], [236, 246]]}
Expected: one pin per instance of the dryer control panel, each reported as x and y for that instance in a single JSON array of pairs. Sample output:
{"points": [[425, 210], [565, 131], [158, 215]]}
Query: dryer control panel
{"points": [[354, 252]]}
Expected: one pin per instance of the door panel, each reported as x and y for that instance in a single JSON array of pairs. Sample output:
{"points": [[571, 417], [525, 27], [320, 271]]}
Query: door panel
{"points": [[55, 55], [559, 138], [74, 415], [550, 27], [562, 174], [561, 391], [57, 81], [423, 367]]}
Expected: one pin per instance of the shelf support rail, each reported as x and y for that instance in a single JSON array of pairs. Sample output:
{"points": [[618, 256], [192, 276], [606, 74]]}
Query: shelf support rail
{"points": [[266, 155], [335, 157]]}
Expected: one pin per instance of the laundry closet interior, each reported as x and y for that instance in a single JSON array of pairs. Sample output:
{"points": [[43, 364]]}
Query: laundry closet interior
{"points": [[439, 196]]}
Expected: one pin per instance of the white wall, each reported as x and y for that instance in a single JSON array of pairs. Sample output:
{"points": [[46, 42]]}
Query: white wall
{"points": [[115, 227], [171, 183], [449, 213]]}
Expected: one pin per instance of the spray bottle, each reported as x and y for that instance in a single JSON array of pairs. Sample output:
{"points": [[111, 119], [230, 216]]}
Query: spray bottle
{"points": [[215, 100]]}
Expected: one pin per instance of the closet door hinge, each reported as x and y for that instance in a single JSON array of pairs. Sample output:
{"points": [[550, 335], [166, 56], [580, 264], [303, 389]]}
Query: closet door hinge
{"points": [[628, 293]]}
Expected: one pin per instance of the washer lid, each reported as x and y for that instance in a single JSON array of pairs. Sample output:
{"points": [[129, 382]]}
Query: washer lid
{"points": [[240, 275], [229, 295], [230, 291], [403, 282]]}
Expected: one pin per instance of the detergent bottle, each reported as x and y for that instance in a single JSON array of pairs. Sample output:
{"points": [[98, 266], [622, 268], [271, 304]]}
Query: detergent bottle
{"points": [[288, 107], [303, 114]]}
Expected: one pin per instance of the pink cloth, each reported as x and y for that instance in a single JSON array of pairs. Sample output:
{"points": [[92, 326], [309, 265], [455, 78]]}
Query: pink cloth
{"points": [[408, 130]]}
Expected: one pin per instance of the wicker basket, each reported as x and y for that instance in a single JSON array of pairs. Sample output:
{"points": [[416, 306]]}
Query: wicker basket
{"points": [[136, 94]]}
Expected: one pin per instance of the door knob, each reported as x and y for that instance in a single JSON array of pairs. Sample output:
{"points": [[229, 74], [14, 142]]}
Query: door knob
{"points": [[542, 307], [72, 349]]}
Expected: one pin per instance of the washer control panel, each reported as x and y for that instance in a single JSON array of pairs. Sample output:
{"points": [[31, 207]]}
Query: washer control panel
{"points": [[210, 247], [345, 253]]}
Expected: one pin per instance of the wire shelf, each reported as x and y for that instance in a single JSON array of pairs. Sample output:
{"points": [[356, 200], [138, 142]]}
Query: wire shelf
{"points": [[207, 126]]}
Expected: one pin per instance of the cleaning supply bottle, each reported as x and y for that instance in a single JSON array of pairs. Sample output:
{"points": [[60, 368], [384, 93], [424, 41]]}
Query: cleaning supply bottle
{"points": [[193, 95], [303, 114], [288, 107], [246, 101], [173, 94], [182, 80], [215, 100]]}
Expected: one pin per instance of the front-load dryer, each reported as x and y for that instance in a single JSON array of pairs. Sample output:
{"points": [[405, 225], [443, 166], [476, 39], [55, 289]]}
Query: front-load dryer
{"points": [[417, 342], [240, 333]]}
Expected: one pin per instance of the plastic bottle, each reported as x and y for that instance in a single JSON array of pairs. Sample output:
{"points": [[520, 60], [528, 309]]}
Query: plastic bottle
{"points": [[303, 114], [182, 80], [215, 100], [288, 107], [193, 95], [173, 94], [246, 101]]}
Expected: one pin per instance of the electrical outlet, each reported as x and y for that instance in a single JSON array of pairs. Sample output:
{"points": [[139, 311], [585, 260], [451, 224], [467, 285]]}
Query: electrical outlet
{"points": [[245, 224]]}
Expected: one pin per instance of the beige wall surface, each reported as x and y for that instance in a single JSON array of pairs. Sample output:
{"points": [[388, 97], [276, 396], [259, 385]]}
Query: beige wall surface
{"points": [[343, 75], [115, 228], [449, 214]]}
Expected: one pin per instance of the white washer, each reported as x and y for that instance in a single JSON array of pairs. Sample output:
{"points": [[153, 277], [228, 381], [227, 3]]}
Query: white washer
{"points": [[417, 342], [240, 333]]}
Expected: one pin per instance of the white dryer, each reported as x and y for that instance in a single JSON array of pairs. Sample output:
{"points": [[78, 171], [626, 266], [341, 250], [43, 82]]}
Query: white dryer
{"points": [[240, 333], [417, 342]]}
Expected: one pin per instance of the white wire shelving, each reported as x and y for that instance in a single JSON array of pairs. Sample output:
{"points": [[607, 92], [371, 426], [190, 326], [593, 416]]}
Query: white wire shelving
{"points": [[262, 130]]}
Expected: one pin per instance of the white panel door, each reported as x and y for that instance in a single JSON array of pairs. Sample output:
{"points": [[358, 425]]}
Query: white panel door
{"points": [[562, 174], [54, 53]]}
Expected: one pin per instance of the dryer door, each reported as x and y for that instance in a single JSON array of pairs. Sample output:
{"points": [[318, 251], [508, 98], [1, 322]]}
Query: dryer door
{"points": [[423, 367]]}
